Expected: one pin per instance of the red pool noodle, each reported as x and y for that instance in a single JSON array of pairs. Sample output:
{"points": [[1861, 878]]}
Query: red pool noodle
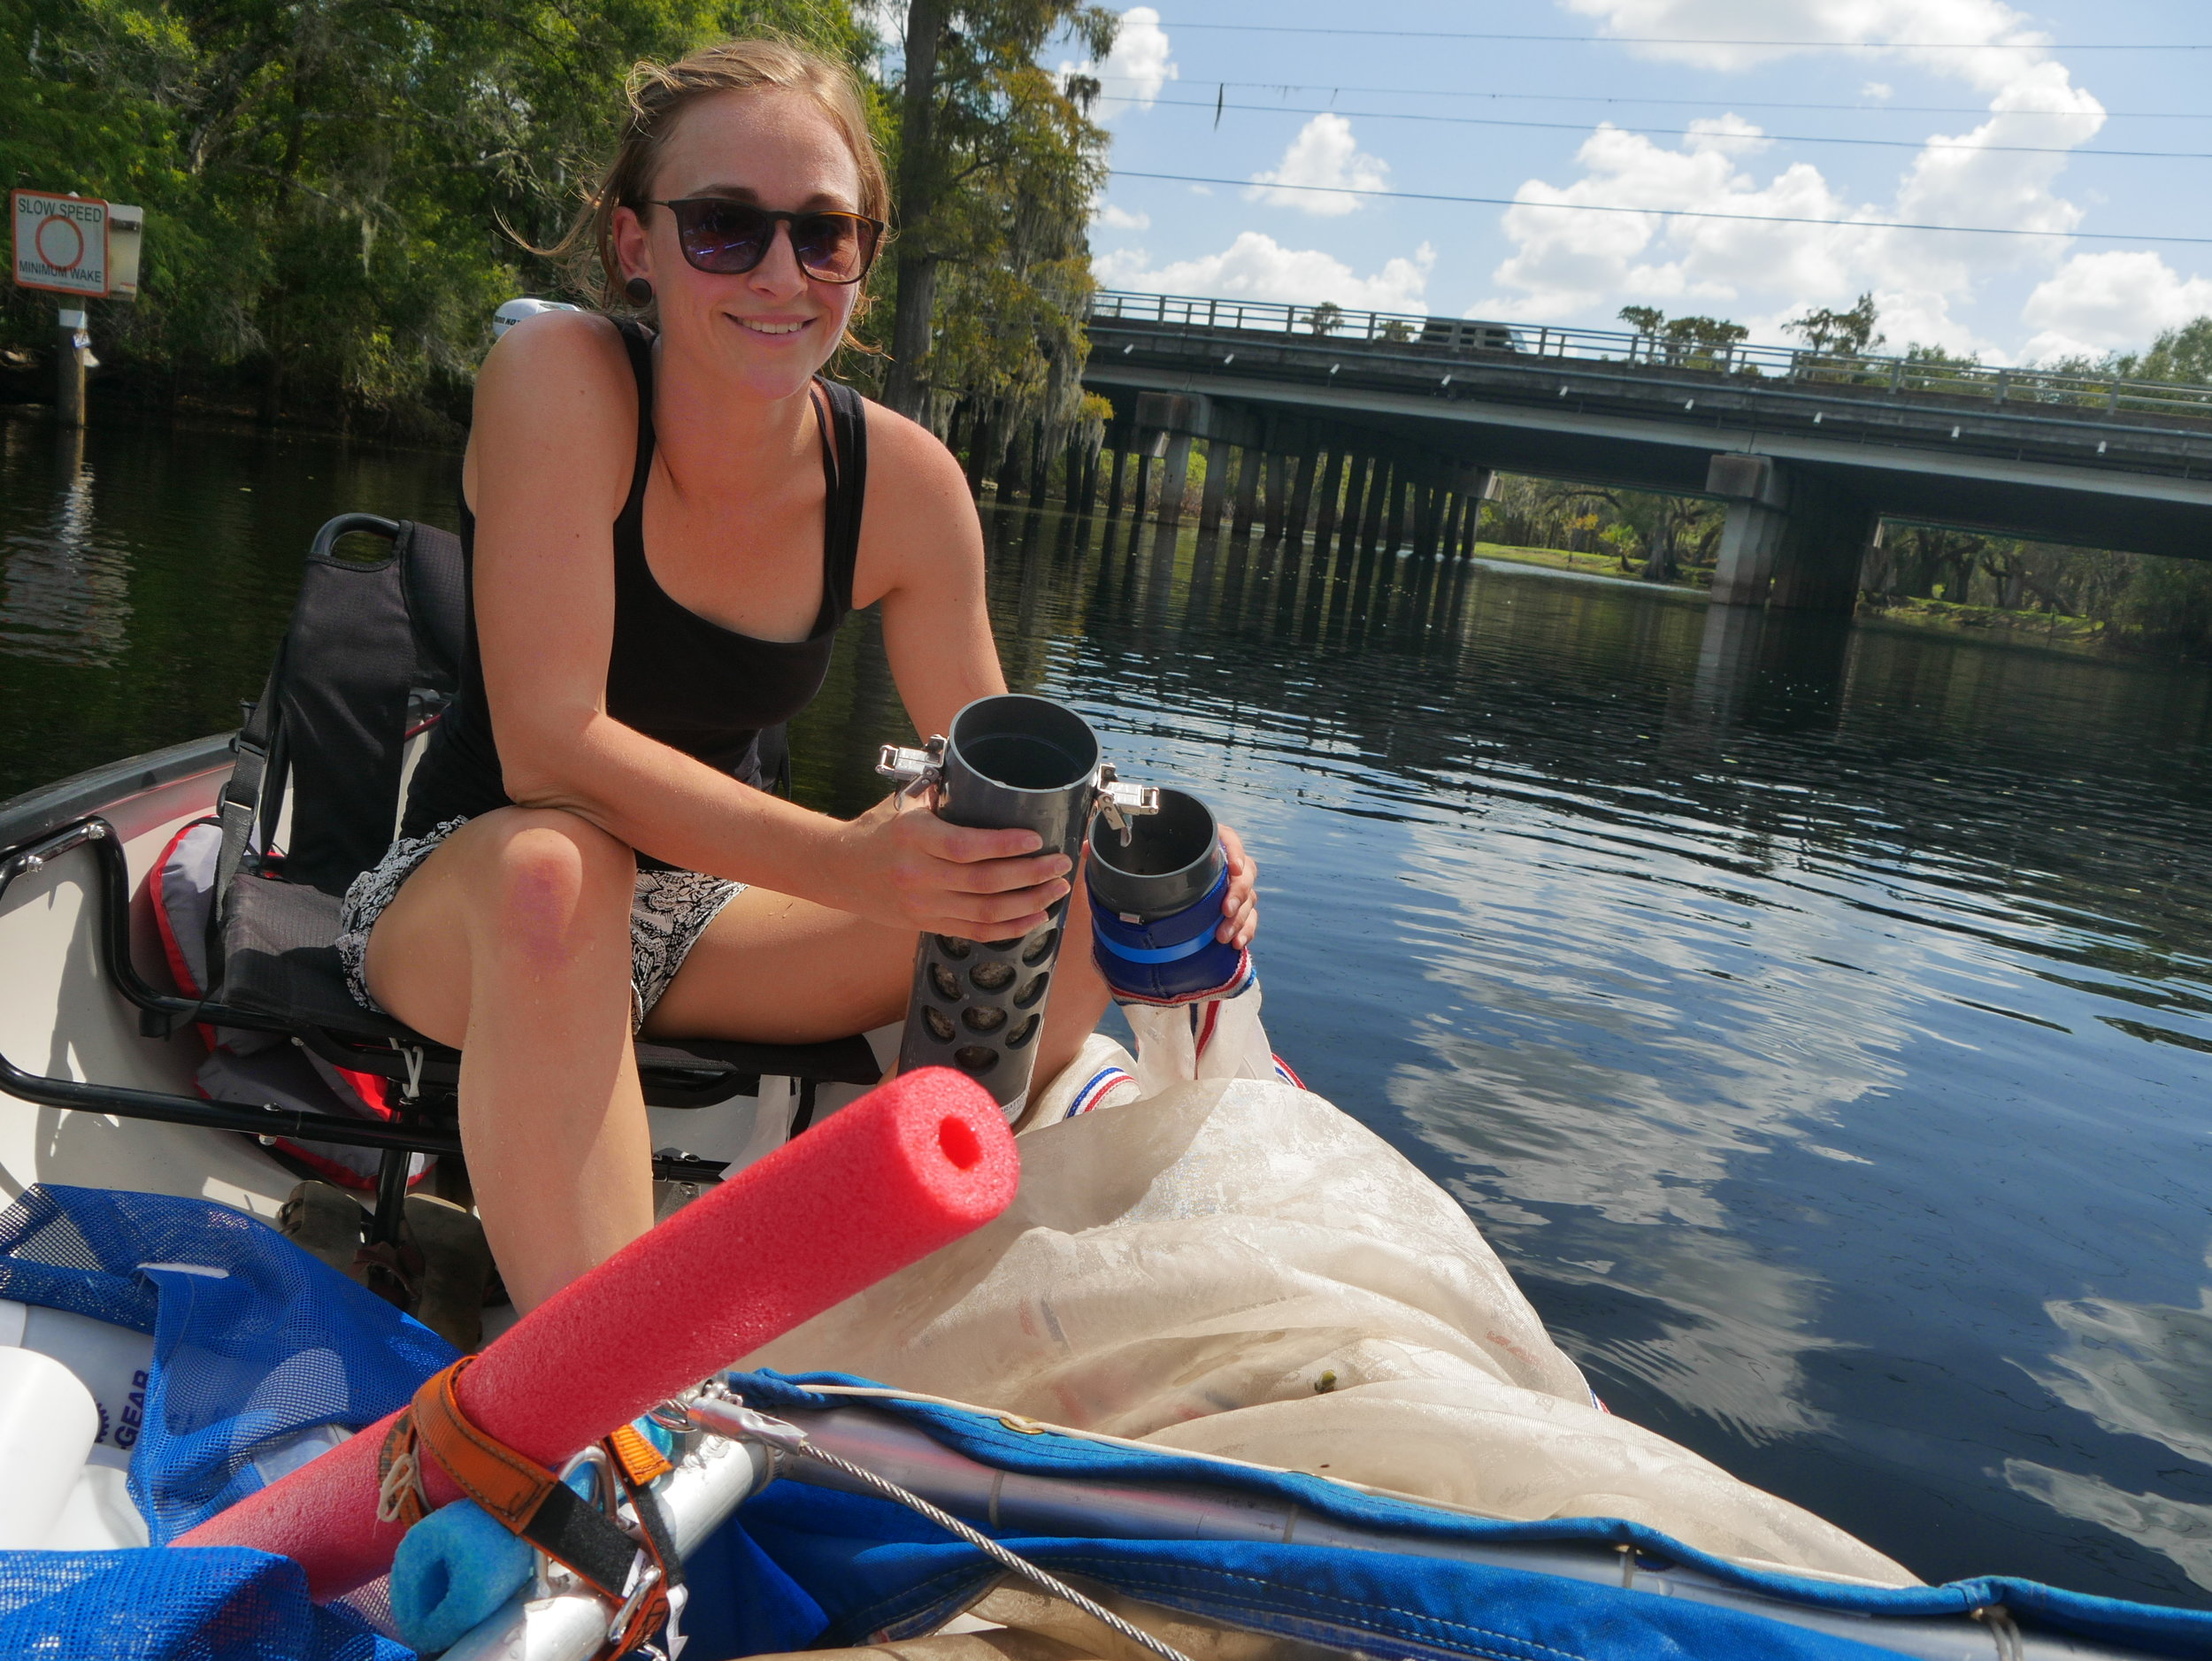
{"points": [[909, 1168]]}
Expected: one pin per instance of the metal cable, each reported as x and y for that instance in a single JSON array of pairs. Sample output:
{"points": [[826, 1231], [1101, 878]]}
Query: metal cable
{"points": [[990, 1549]]}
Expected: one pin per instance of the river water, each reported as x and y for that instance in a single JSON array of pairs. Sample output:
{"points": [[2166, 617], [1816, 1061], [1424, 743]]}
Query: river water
{"points": [[1814, 1016]]}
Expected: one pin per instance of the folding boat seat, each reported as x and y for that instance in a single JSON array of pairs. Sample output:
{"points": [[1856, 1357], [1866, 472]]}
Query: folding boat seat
{"points": [[369, 659]]}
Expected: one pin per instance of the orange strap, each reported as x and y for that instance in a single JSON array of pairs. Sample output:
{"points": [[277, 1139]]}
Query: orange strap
{"points": [[515, 1488], [504, 1482]]}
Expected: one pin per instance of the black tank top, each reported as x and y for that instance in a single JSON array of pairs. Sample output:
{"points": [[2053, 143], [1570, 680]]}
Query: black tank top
{"points": [[674, 676]]}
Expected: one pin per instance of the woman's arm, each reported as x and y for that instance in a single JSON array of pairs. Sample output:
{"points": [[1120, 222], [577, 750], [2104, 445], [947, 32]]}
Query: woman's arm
{"points": [[922, 556], [551, 456]]}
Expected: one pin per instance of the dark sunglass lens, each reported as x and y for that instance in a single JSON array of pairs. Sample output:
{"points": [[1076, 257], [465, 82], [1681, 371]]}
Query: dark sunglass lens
{"points": [[834, 247], [724, 236]]}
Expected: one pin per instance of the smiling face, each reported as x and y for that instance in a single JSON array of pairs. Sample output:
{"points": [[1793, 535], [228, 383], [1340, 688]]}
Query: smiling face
{"points": [[767, 330]]}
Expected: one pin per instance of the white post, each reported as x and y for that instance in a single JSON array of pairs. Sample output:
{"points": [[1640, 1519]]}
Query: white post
{"points": [[73, 355]]}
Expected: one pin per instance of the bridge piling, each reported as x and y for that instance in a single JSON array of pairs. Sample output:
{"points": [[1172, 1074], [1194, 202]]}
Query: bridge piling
{"points": [[1356, 484], [1174, 475], [1248, 491], [1216, 490], [1331, 492], [1757, 493], [1301, 493], [1378, 492], [1113, 488]]}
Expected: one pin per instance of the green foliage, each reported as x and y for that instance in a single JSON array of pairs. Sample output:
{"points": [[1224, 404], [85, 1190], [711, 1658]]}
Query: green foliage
{"points": [[1686, 343], [1327, 317], [1852, 334], [2180, 354], [993, 214], [325, 181]]}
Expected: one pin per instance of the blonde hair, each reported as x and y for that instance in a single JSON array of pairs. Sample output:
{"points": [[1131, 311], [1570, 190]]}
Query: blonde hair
{"points": [[659, 94]]}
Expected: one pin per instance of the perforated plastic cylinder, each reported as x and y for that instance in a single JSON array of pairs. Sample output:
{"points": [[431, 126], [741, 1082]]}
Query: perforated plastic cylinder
{"points": [[1010, 761]]}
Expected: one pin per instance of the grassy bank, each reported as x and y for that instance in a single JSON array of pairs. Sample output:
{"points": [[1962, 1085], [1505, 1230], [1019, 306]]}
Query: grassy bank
{"points": [[2048, 630]]}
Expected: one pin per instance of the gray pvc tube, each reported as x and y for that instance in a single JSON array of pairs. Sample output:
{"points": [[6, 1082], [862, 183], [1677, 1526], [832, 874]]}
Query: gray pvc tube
{"points": [[1011, 761], [1172, 859]]}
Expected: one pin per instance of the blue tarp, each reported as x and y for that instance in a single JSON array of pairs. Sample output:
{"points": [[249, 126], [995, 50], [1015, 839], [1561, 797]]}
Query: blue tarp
{"points": [[272, 1342], [871, 1566]]}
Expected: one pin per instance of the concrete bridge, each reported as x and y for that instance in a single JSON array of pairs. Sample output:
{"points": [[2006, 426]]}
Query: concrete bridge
{"points": [[1811, 450]]}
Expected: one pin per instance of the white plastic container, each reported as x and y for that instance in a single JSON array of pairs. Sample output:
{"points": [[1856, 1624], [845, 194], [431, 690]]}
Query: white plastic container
{"points": [[48, 1421]]}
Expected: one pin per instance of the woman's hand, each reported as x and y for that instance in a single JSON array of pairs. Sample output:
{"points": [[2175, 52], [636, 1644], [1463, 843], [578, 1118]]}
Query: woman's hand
{"points": [[902, 865], [1240, 906]]}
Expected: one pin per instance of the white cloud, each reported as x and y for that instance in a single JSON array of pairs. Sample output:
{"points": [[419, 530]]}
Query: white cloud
{"points": [[1324, 155], [1880, 91], [1919, 31], [1258, 268], [2096, 302], [1567, 264], [1122, 219], [1140, 63]]}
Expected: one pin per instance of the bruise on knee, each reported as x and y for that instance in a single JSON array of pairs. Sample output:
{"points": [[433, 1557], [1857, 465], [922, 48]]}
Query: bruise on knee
{"points": [[558, 898]]}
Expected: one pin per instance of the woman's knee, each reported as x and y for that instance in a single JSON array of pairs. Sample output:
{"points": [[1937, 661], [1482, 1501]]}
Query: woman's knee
{"points": [[552, 881]]}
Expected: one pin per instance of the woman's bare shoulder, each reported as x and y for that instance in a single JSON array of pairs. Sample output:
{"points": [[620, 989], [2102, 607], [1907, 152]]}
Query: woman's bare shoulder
{"points": [[919, 515], [555, 396], [558, 351], [911, 464]]}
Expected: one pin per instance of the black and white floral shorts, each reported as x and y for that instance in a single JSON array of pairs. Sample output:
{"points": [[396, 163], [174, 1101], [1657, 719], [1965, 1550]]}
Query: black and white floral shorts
{"points": [[668, 911]]}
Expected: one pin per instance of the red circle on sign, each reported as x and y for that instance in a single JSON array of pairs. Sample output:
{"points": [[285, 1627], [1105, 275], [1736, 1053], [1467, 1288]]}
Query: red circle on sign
{"points": [[76, 254]]}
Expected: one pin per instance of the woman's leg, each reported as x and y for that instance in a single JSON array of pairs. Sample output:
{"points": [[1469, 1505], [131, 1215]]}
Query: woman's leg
{"points": [[776, 970], [511, 940]]}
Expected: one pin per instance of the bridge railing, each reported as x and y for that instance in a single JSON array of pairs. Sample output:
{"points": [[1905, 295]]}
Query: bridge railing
{"points": [[1326, 327]]}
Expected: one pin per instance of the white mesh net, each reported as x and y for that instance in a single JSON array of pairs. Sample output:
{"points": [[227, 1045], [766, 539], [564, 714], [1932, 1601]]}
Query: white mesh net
{"points": [[1233, 1266]]}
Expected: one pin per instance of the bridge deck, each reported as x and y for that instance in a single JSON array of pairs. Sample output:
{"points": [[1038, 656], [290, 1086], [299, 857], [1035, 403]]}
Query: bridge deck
{"points": [[2069, 458]]}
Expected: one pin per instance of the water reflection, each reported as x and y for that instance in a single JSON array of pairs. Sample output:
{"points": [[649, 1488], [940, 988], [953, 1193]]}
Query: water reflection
{"points": [[1814, 1016], [65, 591], [1796, 1004], [2139, 1370]]}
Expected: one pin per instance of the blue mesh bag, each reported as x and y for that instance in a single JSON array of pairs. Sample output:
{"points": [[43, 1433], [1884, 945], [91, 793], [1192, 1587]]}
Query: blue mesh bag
{"points": [[255, 1345], [218, 1605]]}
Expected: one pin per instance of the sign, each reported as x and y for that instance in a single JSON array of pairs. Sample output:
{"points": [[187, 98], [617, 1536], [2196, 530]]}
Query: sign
{"points": [[61, 243], [127, 232]]}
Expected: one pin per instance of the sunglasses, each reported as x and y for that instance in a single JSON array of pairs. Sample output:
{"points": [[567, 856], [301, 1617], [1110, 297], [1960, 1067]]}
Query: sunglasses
{"points": [[730, 238]]}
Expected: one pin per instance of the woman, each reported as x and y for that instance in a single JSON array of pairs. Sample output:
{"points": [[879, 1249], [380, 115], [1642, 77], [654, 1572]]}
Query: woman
{"points": [[664, 528]]}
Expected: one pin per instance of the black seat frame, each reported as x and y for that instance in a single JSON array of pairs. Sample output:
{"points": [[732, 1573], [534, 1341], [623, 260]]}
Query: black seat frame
{"points": [[371, 655]]}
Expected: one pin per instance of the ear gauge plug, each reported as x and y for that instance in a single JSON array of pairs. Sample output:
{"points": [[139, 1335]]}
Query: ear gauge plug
{"points": [[639, 291]]}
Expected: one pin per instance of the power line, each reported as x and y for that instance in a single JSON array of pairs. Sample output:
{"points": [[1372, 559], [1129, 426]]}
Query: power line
{"points": [[1670, 40], [1706, 103], [1669, 132], [1672, 213]]}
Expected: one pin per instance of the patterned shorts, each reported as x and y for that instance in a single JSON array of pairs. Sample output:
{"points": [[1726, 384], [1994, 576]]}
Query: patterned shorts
{"points": [[668, 911]]}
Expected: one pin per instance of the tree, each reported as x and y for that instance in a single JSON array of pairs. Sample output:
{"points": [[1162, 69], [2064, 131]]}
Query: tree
{"points": [[1685, 342], [998, 164], [1852, 334], [326, 184], [2179, 354], [1327, 317]]}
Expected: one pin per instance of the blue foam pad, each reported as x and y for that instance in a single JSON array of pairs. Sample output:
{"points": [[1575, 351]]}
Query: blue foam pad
{"points": [[455, 1567]]}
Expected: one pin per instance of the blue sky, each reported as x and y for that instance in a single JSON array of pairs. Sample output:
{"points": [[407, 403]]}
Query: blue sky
{"points": [[1739, 136]]}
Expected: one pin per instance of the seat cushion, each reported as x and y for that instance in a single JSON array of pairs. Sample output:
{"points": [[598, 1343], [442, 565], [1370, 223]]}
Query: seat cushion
{"points": [[280, 960]]}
